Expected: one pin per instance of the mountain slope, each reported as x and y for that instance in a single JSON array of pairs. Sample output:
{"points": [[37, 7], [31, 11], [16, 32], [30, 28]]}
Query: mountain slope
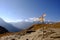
{"points": [[22, 25], [8, 26], [3, 30], [35, 32], [25, 25], [50, 34], [38, 26]]}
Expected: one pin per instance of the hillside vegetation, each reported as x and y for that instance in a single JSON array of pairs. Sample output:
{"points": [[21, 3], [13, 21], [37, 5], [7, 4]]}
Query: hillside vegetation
{"points": [[34, 32]]}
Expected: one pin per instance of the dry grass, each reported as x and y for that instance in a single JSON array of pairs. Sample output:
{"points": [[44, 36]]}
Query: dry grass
{"points": [[38, 26], [33, 27]]}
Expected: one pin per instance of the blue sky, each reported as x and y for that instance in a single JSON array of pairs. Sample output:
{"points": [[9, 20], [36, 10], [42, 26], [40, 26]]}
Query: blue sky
{"points": [[18, 10]]}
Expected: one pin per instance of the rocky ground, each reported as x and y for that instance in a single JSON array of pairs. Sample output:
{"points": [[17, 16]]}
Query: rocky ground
{"points": [[49, 34]]}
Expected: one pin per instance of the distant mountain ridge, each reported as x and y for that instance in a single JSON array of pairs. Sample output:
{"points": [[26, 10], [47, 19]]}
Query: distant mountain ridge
{"points": [[15, 27], [8, 26], [25, 25]]}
